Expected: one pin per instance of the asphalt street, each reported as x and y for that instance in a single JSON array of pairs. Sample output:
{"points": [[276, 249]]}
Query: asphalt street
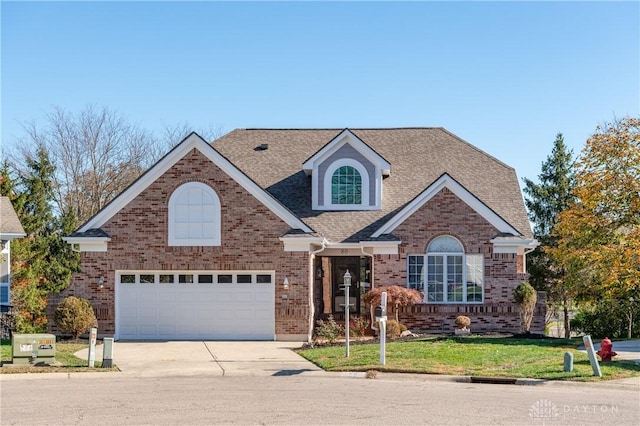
{"points": [[331, 399]]}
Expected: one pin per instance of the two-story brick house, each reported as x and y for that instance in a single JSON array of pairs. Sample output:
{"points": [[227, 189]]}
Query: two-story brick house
{"points": [[249, 237]]}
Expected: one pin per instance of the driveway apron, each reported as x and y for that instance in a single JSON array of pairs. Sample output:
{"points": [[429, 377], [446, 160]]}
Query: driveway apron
{"points": [[215, 358]]}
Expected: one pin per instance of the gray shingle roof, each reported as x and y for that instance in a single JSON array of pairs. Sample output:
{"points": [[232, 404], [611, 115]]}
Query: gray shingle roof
{"points": [[418, 156], [10, 225]]}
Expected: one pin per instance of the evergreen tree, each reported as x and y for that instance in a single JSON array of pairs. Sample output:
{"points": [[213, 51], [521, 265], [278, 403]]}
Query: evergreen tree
{"points": [[7, 188], [545, 201], [42, 263]]}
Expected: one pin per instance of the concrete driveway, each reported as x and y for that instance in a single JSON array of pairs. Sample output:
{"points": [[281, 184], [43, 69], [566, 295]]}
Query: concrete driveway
{"points": [[190, 358]]}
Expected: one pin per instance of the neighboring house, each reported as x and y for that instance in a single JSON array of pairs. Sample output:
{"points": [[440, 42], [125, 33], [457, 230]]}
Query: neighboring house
{"points": [[249, 237], [10, 228]]}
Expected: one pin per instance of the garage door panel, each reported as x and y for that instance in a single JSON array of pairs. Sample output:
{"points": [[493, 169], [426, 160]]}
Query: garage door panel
{"points": [[146, 312], [165, 296], [166, 330], [196, 311], [263, 296], [224, 296]]}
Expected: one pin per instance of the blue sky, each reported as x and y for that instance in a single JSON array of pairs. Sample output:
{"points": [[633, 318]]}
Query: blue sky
{"points": [[505, 76]]}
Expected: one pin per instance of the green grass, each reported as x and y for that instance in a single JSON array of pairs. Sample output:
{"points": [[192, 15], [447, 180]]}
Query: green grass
{"points": [[64, 355], [472, 356]]}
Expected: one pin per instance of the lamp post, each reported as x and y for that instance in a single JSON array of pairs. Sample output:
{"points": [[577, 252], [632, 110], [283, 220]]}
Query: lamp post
{"points": [[347, 284]]}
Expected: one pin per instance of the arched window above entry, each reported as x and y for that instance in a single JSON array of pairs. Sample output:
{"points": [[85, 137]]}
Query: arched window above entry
{"points": [[194, 216]]}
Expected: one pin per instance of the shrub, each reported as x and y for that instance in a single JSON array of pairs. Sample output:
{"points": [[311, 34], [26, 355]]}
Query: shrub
{"points": [[75, 316], [359, 326], [525, 296], [606, 319], [394, 329], [329, 329], [462, 321], [396, 296]]}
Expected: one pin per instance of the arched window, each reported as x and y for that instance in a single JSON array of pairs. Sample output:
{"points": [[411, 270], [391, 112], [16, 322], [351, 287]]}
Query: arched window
{"points": [[346, 185], [451, 276], [194, 216]]}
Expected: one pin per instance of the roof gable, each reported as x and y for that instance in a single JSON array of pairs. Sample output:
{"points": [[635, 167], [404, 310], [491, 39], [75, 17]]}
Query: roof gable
{"points": [[10, 226], [446, 181], [193, 141], [346, 137], [419, 157]]}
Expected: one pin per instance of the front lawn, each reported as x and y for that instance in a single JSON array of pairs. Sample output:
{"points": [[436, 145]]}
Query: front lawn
{"points": [[472, 356], [64, 355]]}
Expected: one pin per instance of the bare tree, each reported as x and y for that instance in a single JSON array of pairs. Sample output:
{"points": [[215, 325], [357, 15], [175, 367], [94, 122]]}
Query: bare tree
{"points": [[171, 134], [97, 153]]}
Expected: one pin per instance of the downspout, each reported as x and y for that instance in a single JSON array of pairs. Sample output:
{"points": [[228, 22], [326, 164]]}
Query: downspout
{"points": [[526, 252], [371, 275], [312, 256]]}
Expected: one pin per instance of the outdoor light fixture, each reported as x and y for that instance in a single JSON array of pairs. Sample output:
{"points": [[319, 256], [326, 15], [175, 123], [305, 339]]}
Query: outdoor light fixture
{"points": [[101, 282], [286, 283], [347, 278]]}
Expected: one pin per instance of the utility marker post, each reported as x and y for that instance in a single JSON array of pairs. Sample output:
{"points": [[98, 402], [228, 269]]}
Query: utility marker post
{"points": [[93, 335], [383, 328], [591, 353]]}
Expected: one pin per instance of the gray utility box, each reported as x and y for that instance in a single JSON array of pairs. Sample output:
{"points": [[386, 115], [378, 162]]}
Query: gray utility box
{"points": [[33, 348]]}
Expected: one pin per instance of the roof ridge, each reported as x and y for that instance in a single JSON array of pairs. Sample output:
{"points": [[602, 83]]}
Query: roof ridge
{"points": [[480, 150], [341, 128]]}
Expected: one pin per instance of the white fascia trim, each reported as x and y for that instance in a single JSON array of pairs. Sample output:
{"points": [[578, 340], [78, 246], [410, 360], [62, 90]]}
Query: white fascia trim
{"points": [[446, 181], [343, 138], [309, 244], [376, 247], [298, 243], [11, 236], [381, 247], [80, 244], [514, 246], [193, 141]]}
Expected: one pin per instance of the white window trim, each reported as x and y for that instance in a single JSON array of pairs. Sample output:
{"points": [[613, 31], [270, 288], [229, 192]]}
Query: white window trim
{"points": [[444, 256], [425, 267], [217, 222], [328, 204]]}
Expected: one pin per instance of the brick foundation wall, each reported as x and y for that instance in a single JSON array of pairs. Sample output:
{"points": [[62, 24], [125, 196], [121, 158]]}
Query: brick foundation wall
{"points": [[250, 241]]}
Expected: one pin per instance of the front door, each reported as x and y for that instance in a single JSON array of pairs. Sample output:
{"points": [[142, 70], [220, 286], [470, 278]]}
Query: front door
{"points": [[340, 266]]}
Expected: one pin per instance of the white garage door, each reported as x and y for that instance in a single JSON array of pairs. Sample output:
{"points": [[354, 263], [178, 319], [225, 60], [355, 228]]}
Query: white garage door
{"points": [[207, 305]]}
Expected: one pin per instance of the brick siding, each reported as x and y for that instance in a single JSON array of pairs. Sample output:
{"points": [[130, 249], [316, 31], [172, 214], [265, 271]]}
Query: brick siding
{"points": [[446, 214], [250, 233], [250, 241]]}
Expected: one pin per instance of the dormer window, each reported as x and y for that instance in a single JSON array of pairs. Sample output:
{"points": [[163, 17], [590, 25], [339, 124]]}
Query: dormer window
{"points": [[346, 175], [346, 185]]}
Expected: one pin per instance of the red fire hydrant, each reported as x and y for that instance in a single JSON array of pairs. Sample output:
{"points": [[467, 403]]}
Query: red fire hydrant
{"points": [[606, 350]]}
